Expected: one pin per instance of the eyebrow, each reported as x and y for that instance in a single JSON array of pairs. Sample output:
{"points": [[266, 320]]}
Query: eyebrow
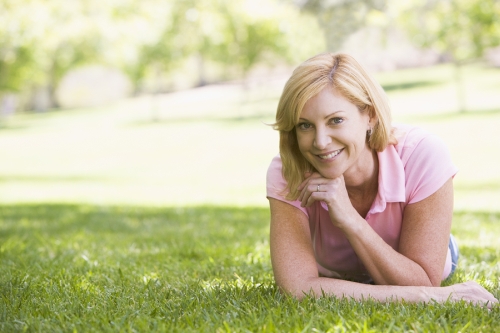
{"points": [[328, 116]]}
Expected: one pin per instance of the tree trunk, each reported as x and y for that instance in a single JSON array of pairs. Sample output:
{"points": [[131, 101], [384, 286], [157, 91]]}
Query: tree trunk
{"points": [[459, 84], [202, 79], [52, 86], [155, 97]]}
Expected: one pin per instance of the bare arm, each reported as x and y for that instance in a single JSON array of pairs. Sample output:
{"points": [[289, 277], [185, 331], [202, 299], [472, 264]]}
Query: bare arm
{"points": [[422, 248], [424, 235], [296, 273]]}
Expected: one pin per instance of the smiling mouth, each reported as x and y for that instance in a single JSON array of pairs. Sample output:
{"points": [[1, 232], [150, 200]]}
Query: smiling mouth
{"points": [[330, 155]]}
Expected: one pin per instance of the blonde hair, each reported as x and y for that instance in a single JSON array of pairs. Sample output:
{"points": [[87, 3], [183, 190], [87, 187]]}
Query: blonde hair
{"points": [[345, 75]]}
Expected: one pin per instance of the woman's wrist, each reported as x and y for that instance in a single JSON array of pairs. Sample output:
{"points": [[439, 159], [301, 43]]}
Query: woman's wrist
{"points": [[351, 225], [428, 294]]}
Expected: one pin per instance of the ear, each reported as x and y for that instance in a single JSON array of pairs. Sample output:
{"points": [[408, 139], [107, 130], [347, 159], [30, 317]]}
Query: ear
{"points": [[373, 117]]}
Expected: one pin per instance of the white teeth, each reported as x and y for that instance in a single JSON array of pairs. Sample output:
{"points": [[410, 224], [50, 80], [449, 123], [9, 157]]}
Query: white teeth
{"points": [[335, 153]]}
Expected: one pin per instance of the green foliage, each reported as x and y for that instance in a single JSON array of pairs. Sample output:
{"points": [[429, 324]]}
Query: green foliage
{"points": [[41, 40], [463, 29], [15, 65], [241, 34], [340, 19], [194, 269], [161, 53], [17, 58], [251, 37]]}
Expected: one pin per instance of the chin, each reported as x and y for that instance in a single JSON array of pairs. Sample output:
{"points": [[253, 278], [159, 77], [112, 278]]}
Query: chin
{"points": [[329, 174]]}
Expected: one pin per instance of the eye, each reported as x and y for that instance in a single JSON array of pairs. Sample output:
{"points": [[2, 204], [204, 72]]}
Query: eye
{"points": [[336, 120], [304, 126]]}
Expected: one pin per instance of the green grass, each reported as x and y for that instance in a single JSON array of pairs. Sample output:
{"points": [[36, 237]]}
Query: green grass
{"points": [[105, 268], [110, 221], [195, 269]]}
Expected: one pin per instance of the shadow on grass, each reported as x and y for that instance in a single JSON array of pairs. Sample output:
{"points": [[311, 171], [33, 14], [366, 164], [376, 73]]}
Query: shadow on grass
{"points": [[455, 115], [175, 225], [60, 220], [188, 233], [409, 85], [180, 244]]}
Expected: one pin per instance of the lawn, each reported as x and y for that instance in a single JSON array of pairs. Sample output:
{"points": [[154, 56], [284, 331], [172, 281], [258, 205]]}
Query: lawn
{"points": [[195, 269], [110, 221], [211, 145]]}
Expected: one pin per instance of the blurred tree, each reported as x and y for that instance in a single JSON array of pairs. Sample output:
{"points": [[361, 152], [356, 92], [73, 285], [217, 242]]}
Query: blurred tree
{"points": [[252, 36], [460, 29], [15, 63], [17, 58], [43, 39], [238, 34], [68, 54], [157, 44], [73, 38], [340, 18]]}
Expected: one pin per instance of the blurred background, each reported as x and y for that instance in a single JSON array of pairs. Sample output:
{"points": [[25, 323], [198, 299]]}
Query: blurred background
{"points": [[167, 102]]}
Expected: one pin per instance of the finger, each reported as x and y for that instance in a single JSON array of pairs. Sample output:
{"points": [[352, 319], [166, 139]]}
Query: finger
{"points": [[302, 188], [306, 193], [308, 177], [314, 178], [313, 192], [316, 196]]}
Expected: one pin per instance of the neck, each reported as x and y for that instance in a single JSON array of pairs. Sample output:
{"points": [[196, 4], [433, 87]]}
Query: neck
{"points": [[362, 182]]}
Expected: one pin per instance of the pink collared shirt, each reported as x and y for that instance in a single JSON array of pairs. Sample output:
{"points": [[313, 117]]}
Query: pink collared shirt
{"points": [[409, 172]]}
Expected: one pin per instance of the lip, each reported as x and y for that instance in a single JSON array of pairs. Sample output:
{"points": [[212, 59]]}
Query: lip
{"points": [[338, 151]]}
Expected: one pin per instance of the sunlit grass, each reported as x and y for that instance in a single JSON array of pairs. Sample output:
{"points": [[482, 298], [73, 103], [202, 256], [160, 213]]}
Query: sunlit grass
{"points": [[195, 269], [433, 91], [212, 145], [119, 155]]}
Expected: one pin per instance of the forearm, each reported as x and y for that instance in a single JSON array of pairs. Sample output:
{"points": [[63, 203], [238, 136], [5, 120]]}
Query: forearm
{"points": [[320, 286], [317, 287], [385, 265], [468, 292]]}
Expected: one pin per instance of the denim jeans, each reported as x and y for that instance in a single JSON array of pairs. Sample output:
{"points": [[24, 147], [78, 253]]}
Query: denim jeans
{"points": [[454, 253]]}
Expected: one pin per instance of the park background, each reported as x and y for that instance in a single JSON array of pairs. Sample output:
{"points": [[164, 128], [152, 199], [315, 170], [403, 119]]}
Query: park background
{"points": [[135, 139]]}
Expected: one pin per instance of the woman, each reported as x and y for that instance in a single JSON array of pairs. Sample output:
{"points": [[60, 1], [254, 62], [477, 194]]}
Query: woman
{"points": [[359, 208]]}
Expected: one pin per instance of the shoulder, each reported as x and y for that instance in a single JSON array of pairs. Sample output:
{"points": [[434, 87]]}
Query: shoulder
{"points": [[426, 160], [276, 185], [274, 172], [415, 140]]}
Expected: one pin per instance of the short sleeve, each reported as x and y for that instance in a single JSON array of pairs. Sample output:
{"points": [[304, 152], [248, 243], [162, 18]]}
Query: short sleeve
{"points": [[428, 166], [276, 184]]}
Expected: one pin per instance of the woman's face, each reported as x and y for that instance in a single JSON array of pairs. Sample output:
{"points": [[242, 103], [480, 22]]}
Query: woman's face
{"points": [[331, 134]]}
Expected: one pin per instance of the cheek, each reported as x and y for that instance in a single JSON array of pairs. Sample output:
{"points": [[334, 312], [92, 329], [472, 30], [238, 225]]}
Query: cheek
{"points": [[302, 142], [360, 140], [354, 141]]}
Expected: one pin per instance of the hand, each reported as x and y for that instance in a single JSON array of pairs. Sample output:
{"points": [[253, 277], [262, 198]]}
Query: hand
{"points": [[332, 192], [470, 292]]}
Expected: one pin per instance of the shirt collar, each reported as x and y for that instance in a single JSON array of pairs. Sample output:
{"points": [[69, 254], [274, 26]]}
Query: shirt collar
{"points": [[391, 179]]}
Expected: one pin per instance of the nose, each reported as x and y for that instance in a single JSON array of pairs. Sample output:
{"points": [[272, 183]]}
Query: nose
{"points": [[321, 139]]}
